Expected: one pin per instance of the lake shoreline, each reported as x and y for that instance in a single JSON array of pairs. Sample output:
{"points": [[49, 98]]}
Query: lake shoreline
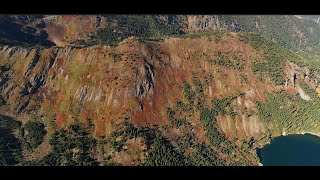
{"points": [[279, 147], [283, 134]]}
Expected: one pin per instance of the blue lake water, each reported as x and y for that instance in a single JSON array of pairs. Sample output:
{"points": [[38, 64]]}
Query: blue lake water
{"points": [[291, 150]]}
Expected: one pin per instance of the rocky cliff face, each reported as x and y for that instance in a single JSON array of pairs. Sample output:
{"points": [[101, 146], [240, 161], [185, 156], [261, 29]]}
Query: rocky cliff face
{"points": [[210, 22], [295, 75]]}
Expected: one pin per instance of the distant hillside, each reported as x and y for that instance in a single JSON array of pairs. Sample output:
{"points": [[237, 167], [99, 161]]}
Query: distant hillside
{"points": [[287, 31], [312, 17], [298, 33], [15, 31]]}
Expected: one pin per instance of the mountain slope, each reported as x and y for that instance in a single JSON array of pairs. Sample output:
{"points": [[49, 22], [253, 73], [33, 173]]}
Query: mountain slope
{"points": [[199, 100]]}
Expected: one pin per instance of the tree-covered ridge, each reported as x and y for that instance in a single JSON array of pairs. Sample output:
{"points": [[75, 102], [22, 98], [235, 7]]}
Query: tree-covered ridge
{"points": [[287, 31], [141, 26]]}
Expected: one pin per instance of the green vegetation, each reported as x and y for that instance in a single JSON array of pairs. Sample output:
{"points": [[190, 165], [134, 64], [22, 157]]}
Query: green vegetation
{"points": [[149, 27], [109, 37], [174, 121], [181, 106], [71, 146], [203, 155], [217, 139], [164, 154], [116, 56], [297, 35], [303, 114], [160, 152], [196, 97], [33, 134], [232, 62], [188, 93], [309, 91], [208, 119], [243, 78], [7, 122], [10, 148], [223, 105], [10, 145], [199, 91], [273, 66], [272, 63], [117, 145], [287, 31], [213, 35]]}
